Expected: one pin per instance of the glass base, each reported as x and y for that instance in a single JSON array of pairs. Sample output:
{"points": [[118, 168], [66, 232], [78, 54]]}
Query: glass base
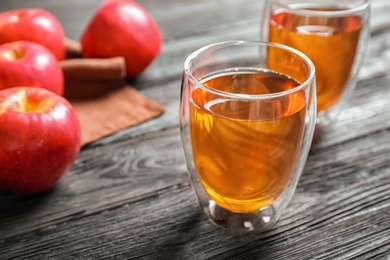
{"points": [[241, 223]]}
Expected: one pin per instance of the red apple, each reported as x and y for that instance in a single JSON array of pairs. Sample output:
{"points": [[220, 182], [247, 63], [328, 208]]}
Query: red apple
{"points": [[33, 24], [39, 139], [123, 28], [25, 63]]}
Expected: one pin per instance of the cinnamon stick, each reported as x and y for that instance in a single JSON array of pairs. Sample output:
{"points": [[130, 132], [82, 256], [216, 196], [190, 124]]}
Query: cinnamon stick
{"points": [[95, 69], [73, 49], [89, 78]]}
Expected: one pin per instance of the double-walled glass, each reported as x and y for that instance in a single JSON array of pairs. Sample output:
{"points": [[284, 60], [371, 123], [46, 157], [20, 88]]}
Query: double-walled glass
{"points": [[247, 117], [333, 33]]}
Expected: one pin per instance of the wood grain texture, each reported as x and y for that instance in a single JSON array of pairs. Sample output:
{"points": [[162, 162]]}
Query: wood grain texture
{"points": [[128, 195]]}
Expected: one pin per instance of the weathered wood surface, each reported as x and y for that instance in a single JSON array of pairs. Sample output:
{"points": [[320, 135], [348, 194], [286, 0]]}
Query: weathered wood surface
{"points": [[128, 195]]}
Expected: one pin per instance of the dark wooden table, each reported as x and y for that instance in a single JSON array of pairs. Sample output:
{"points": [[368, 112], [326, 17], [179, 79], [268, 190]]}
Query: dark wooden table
{"points": [[128, 195]]}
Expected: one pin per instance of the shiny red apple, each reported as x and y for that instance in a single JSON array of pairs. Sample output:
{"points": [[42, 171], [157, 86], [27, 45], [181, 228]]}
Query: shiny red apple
{"points": [[39, 139], [123, 28], [25, 63], [33, 24]]}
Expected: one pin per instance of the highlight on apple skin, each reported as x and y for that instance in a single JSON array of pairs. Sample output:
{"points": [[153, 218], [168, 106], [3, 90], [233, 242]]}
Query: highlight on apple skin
{"points": [[39, 139], [24, 63]]}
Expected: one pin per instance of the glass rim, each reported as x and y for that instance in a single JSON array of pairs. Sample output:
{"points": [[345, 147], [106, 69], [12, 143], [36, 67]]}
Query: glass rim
{"points": [[298, 88], [335, 13]]}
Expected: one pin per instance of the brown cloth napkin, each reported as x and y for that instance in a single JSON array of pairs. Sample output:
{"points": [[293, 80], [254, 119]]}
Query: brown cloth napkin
{"points": [[103, 101]]}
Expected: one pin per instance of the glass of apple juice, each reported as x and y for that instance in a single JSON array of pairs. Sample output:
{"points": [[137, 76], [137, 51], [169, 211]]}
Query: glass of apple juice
{"points": [[334, 34], [247, 117]]}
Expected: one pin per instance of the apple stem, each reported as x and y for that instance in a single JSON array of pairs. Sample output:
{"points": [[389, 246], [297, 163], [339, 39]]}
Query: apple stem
{"points": [[17, 54], [11, 55]]}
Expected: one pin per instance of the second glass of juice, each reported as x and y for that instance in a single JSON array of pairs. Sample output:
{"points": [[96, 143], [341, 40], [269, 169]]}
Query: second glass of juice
{"points": [[333, 34]]}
